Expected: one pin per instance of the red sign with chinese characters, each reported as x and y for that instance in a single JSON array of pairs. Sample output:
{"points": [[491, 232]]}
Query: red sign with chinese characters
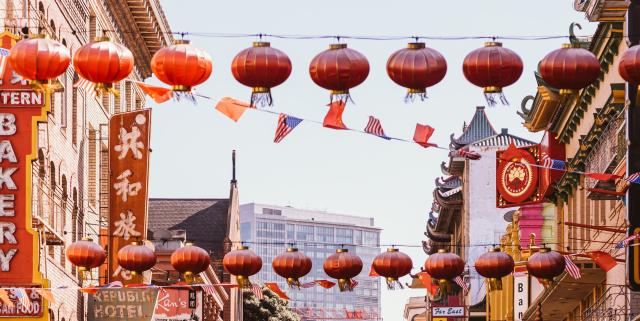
{"points": [[21, 109], [517, 176], [129, 135]]}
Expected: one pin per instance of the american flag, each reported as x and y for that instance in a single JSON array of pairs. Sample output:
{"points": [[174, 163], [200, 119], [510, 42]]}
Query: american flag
{"points": [[571, 268], [23, 297], [548, 162], [208, 288], [460, 282], [88, 87], [4, 57], [633, 178], [257, 291], [286, 124], [375, 128], [624, 243]]}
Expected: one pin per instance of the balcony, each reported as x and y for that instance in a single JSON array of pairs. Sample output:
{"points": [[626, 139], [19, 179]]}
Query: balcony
{"points": [[607, 152], [51, 208], [603, 10], [612, 305]]}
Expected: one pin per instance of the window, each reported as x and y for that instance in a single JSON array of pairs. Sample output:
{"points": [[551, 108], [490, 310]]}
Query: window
{"points": [[304, 232], [344, 236], [358, 237], [74, 115], [325, 234], [271, 211], [92, 166], [370, 238], [291, 232], [117, 102]]}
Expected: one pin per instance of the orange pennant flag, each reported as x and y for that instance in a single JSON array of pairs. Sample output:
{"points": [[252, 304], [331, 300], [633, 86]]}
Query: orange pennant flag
{"points": [[604, 260], [333, 119], [422, 135], [232, 108], [426, 280], [325, 283], [276, 289], [4, 298], [372, 272], [47, 294], [602, 176], [157, 93]]}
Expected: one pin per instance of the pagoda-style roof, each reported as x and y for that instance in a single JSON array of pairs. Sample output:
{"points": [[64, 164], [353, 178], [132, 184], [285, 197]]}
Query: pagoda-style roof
{"points": [[603, 10], [503, 139], [479, 128], [449, 183]]}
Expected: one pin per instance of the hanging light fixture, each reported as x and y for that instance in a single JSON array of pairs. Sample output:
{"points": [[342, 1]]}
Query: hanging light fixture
{"points": [[339, 69], [190, 260], [416, 68], [39, 60], [103, 62], [392, 265], [343, 266], [292, 265], [494, 265], [242, 263]]}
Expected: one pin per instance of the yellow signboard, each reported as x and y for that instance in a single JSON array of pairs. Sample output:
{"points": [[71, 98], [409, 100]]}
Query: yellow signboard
{"points": [[439, 319]]}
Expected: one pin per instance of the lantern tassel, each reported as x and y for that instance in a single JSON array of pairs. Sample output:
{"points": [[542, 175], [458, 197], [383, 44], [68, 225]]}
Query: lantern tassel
{"points": [[492, 99], [344, 97], [345, 285], [393, 284], [413, 94], [293, 283], [261, 99], [186, 95], [495, 284]]}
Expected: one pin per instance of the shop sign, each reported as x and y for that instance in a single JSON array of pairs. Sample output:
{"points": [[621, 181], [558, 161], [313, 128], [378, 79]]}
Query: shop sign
{"points": [[520, 295], [178, 305], [517, 176], [129, 135], [447, 311], [633, 260], [122, 304], [18, 309]]}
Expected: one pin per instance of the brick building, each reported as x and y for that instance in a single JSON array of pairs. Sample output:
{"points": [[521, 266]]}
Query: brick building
{"points": [[69, 176]]}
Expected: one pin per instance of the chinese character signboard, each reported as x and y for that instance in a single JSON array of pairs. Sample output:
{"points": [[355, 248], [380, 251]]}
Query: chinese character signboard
{"points": [[21, 109], [128, 170], [178, 305], [122, 304], [517, 176]]}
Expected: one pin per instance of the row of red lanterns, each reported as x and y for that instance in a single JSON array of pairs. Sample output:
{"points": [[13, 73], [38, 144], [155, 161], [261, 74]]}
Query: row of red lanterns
{"points": [[337, 69], [342, 265]]}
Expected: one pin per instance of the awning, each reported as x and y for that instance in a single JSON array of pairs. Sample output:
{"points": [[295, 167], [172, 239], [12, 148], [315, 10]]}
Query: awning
{"points": [[566, 293]]}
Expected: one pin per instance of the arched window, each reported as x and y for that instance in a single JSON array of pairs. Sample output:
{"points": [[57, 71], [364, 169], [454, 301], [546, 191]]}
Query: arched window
{"points": [[51, 208]]}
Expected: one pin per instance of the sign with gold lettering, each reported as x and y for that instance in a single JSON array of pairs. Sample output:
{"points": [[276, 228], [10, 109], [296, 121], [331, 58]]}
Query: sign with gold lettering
{"points": [[122, 304], [128, 166], [21, 109]]}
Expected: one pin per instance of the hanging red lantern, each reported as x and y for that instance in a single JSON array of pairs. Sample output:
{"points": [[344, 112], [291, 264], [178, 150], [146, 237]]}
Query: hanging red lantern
{"points": [[182, 66], [494, 265], [629, 67], [136, 258], [261, 67], [339, 69], [292, 265], [190, 260], [492, 67], [571, 67], [343, 266], [444, 266], [416, 68], [546, 265], [39, 59], [392, 265], [103, 62], [242, 263], [85, 254]]}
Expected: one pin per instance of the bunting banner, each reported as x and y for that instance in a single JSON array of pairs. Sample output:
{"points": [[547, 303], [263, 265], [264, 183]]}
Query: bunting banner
{"points": [[157, 93], [372, 272], [604, 260], [422, 135], [276, 289], [286, 124], [572, 269], [323, 283], [333, 118], [462, 284], [625, 243], [232, 108], [375, 128]]}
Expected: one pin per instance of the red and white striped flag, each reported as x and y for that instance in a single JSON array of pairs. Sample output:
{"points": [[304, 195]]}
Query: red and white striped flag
{"points": [[571, 268], [23, 297], [257, 291], [460, 282], [375, 128], [88, 87], [4, 57]]}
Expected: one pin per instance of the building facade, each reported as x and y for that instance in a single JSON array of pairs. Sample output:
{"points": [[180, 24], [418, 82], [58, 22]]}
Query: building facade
{"points": [[67, 169], [269, 230]]}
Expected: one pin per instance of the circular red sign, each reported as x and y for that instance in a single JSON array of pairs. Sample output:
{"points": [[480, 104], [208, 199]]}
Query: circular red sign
{"points": [[517, 178]]}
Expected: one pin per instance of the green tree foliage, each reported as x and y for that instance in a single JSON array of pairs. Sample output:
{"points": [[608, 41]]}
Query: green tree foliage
{"points": [[271, 308]]}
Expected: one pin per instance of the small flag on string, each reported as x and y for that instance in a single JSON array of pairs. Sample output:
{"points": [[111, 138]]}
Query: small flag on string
{"points": [[624, 243], [257, 291], [602, 176], [604, 260], [276, 289], [353, 283], [422, 135], [4, 57], [572, 269], [548, 162], [375, 128], [157, 93], [323, 283], [372, 272], [88, 87], [633, 178], [427, 282], [333, 118], [4, 298], [47, 294], [460, 282], [286, 124], [23, 297], [232, 108]]}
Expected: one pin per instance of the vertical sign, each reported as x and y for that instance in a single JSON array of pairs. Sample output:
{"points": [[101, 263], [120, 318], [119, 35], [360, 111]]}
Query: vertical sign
{"points": [[520, 295], [21, 109], [128, 179], [633, 154]]}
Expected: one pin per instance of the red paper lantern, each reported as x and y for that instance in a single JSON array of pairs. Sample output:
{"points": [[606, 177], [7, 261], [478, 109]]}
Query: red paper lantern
{"points": [[39, 59], [190, 260], [292, 265], [103, 62], [546, 265], [629, 67], [569, 68], [416, 68], [444, 266], [136, 258], [343, 266], [182, 66], [261, 67], [492, 67], [339, 69], [242, 263], [392, 265], [85, 254], [494, 265]]}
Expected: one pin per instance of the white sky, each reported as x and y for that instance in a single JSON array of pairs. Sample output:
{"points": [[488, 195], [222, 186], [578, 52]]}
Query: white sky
{"points": [[337, 171]]}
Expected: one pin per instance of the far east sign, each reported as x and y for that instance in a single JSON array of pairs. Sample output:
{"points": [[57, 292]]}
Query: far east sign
{"points": [[447, 312], [21, 109], [128, 168], [517, 176]]}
